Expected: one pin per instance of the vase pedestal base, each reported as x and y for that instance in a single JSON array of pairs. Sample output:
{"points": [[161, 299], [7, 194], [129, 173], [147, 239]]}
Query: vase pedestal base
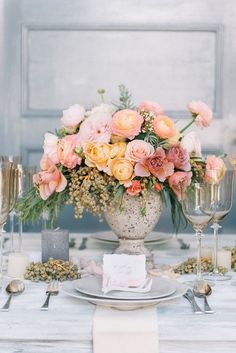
{"points": [[134, 247]]}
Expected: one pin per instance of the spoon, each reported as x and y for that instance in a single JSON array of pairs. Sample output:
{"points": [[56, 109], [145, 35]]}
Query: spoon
{"points": [[15, 287], [202, 289]]}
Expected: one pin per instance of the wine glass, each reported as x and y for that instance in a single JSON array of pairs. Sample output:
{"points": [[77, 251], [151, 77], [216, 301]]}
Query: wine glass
{"points": [[199, 207], [25, 183], [223, 203], [6, 180]]}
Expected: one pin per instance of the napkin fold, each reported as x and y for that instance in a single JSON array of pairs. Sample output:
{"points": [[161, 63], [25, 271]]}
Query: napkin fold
{"points": [[125, 331]]}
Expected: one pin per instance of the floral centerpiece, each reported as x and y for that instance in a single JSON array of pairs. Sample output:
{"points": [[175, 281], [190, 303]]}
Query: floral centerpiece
{"points": [[112, 150]]}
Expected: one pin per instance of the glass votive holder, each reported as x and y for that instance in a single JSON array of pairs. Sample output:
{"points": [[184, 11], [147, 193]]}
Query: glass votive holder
{"points": [[17, 263], [55, 244]]}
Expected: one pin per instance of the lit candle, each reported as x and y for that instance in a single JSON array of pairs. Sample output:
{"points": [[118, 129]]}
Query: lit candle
{"points": [[17, 263], [224, 258]]}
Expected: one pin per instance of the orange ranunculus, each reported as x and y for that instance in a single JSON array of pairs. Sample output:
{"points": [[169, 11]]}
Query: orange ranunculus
{"points": [[126, 123], [164, 127], [134, 189]]}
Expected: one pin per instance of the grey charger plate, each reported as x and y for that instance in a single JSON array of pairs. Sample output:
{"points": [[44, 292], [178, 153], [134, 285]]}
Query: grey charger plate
{"points": [[68, 288], [92, 286]]}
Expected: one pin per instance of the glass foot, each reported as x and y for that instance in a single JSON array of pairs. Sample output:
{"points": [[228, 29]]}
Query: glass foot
{"points": [[212, 276]]}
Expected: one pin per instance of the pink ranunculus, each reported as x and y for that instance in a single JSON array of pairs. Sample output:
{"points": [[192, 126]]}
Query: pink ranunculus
{"points": [[149, 106], [158, 165], [202, 113], [215, 169], [164, 127], [72, 117], [95, 128], [138, 150], [50, 147], [179, 181], [66, 151], [180, 157], [192, 144], [49, 179], [134, 189], [126, 123]]}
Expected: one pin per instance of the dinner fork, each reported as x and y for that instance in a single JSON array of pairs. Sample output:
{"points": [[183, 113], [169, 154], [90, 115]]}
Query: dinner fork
{"points": [[53, 289]]}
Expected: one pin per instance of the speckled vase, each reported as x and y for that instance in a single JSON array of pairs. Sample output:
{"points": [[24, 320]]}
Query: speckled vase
{"points": [[130, 226]]}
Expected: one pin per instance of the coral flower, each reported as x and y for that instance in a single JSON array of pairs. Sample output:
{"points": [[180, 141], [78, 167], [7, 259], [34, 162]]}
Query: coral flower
{"points": [[158, 165], [180, 157], [179, 181], [215, 169], [66, 151], [134, 189]]}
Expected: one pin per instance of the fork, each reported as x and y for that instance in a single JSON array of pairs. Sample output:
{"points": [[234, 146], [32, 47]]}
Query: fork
{"points": [[53, 289]]}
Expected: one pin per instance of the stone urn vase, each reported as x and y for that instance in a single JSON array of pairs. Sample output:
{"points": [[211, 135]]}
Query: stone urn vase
{"points": [[131, 226]]}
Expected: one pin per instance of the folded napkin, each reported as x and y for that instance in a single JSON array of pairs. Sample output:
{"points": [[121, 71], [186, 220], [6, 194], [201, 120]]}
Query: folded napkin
{"points": [[125, 331]]}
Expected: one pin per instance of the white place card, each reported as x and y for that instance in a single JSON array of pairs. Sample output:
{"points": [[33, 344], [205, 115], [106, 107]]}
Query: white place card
{"points": [[123, 271]]}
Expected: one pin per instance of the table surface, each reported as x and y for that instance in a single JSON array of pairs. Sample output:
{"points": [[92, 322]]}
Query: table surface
{"points": [[67, 326]]}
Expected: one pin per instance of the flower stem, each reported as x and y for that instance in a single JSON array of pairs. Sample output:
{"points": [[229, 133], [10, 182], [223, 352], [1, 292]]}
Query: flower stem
{"points": [[187, 126]]}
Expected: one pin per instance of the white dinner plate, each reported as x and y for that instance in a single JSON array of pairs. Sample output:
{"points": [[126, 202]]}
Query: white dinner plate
{"points": [[68, 288], [154, 238], [92, 286]]}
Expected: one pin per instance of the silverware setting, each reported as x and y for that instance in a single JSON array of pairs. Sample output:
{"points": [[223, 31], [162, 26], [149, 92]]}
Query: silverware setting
{"points": [[15, 287], [53, 289], [200, 290]]}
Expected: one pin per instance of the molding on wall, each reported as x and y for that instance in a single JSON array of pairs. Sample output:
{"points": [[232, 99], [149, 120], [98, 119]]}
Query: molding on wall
{"points": [[27, 151], [217, 29]]}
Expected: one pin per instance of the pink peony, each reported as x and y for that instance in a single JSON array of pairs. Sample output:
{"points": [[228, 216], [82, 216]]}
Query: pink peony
{"points": [[149, 106], [202, 113], [134, 189], [95, 128], [49, 179], [178, 182], [66, 151], [215, 169], [158, 165], [50, 147], [72, 117], [164, 127], [126, 123], [138, 150], [180, 157]]}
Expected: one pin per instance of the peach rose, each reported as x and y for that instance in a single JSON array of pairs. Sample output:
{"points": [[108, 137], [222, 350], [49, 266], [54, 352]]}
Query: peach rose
{"points": [[158, 165], [201, 112], [66, 151], [134, 189], [95, 128], [138, 150], [72, 117], [126, 123], [179, 181], [97, 154], [49, 179], [164, 127], [215, 169], [152, 107], [118, 149], [50, 147], [122, 169]]}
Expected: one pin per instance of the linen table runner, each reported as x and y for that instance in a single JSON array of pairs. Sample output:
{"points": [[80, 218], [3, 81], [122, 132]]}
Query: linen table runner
{"points": [[125, 331]]}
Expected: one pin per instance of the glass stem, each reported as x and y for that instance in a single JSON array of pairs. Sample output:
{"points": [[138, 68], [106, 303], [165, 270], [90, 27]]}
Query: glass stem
{"points": [[199, 254], [20, 231], [216, 228], [12, 215]]}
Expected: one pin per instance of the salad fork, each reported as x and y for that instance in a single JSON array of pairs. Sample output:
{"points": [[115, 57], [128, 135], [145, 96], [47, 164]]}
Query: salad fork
{"points": [[53, 289]]}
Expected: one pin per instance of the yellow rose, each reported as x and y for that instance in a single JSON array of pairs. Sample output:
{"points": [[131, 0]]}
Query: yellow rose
{"points": [[97, 155], [115, 139], [118, 149], [122, 169]]}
